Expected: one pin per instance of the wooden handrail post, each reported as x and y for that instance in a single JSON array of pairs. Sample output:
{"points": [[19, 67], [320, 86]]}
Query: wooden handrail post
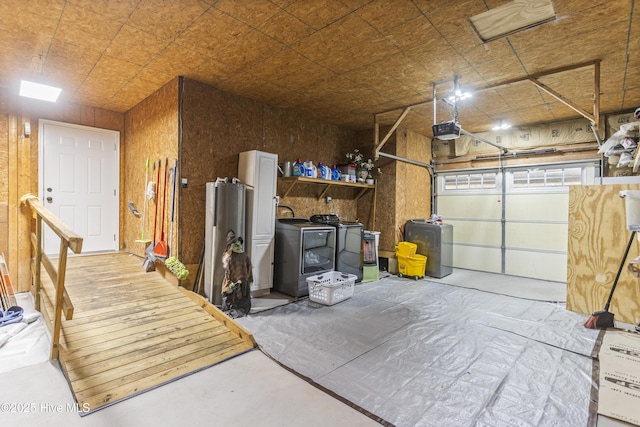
{"points": [[68, 240], [57, 318], [36, 265]]}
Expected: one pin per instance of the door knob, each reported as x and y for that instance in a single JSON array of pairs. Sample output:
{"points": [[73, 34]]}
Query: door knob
{"points": [[50, 199]]}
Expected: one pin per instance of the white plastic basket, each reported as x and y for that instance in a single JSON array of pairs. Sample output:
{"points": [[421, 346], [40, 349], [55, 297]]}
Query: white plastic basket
{"points": [[331, 288]]}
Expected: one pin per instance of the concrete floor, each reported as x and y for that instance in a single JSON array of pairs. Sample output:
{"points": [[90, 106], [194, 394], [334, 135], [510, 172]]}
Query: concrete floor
{"points": [[250, 389], [520, 287]]}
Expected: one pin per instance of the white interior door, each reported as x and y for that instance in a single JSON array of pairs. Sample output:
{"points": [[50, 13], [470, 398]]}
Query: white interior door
{"points": [[79, 175]]}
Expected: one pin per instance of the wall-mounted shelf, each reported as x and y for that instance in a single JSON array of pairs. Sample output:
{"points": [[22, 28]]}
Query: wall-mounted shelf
{"points": [[292, 181]]}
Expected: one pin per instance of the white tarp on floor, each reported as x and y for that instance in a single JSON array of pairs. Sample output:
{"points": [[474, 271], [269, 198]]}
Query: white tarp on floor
{"points": [[27, 342], [423, 353]]}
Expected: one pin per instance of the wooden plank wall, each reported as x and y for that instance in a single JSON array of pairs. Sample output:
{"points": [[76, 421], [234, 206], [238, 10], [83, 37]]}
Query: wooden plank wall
{"points": [[4, 177], [597, 240], [4, 226], [16, 167]]}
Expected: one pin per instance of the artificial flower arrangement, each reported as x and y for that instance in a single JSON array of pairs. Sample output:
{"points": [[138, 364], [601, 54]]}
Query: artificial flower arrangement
{"points": [[362, 166]]}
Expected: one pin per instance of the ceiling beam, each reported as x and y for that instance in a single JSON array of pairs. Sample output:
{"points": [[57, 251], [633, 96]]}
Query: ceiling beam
{"points": [[533, 78], [562, 99], [379, 145], [545, 73]]}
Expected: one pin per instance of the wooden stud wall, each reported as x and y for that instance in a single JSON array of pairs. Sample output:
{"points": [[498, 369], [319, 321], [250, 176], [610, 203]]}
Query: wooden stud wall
{"points": [[20, 170], [4, 177], [16, 163], [597, 240]]}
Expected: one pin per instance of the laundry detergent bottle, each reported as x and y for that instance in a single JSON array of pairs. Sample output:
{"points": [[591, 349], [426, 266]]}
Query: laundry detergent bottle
{"points": [[335, 173], [298, 168], [323, 171], [310, 169]]}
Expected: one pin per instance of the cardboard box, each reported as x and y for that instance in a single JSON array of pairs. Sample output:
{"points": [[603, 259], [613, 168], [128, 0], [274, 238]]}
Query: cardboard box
{"points": [[348, 169]]}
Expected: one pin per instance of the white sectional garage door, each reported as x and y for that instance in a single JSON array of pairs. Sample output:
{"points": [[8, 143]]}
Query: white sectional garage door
{"points": [[512, 221]]}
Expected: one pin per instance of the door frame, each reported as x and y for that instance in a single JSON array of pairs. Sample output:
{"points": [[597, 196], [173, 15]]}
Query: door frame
{"points": [[116, 199]]}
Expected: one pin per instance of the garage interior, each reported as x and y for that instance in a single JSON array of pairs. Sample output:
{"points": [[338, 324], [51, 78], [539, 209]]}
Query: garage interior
{"points": [[529, 179]]}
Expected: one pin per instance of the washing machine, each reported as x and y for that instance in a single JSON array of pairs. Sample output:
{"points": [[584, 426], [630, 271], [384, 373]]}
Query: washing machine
{"points": [[302, 249], [349, 238]]}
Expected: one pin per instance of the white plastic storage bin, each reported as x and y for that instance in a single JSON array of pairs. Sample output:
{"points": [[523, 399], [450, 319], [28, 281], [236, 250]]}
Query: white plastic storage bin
{"points": [[331, 288], [632, 206]]}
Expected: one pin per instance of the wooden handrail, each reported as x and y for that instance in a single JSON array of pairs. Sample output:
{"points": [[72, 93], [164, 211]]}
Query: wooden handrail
{"points": [[55, 223], [68, 240]]}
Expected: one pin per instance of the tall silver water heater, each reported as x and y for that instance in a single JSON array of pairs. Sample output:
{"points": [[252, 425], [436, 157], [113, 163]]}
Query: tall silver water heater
{"points": [[225, 200]]}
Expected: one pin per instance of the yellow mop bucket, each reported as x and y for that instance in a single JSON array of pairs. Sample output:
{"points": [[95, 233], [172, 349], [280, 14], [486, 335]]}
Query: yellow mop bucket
{"points": [[406, 249], [412, 266]]}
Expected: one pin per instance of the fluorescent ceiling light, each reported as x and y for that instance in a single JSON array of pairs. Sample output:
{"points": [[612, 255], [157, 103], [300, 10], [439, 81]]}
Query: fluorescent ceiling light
{"points": [[459, 96], [512, 17], [39, 91], [501, 126]]}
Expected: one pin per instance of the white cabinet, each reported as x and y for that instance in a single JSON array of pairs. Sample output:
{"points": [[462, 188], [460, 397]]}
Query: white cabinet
{"points": [[258, 170]]}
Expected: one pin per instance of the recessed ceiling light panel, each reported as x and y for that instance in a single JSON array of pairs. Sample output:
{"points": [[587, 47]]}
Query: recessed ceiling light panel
{"points": [[39, 91], [501, 126]]}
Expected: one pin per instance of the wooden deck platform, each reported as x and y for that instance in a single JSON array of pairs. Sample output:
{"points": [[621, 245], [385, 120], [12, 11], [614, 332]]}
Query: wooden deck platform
{"points": [[133, 331]]}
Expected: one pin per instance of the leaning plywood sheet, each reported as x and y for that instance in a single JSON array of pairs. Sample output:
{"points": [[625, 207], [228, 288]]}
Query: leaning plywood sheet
{"points": [[597, 239], [133, 331]]}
